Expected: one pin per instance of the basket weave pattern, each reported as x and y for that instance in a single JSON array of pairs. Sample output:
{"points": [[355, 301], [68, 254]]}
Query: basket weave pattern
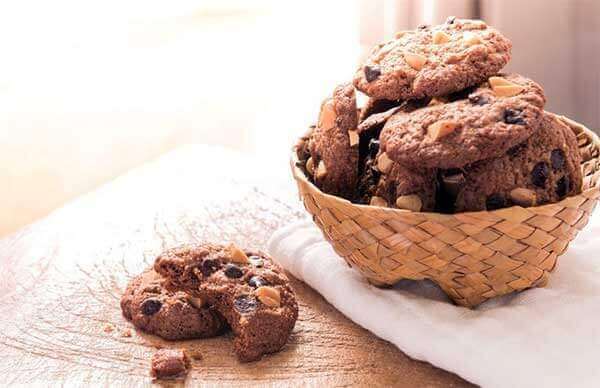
{"points": [[471, 256]]}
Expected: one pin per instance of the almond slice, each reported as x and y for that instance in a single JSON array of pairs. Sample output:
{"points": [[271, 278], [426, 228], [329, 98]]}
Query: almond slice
{"points": [[327, 115], [196, 302], [508, 91], [441, 128], [523, 197], [499, 81], [236, 255], [471, 39], [310, 166], [409, 202], [440, 37], [384, 163], [378, 201], [353, 135], [416, 61], [321, 170], [268, 296]]}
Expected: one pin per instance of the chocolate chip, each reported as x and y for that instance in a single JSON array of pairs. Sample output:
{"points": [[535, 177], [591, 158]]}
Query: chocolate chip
{"points": [[245, 303], [373, 147], [422, 27], [495, 201], [257, 281], [539, 174], [451, 20], [151, 306], [372, 73], [562, 187], [514, 151], [256, 261], [513, 116], [209, 266], [453, 183], [557, 157], [479, 100], [233, 271]]}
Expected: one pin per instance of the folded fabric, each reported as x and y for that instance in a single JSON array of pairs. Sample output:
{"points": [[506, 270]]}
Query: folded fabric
{"points": [[547, 337]]}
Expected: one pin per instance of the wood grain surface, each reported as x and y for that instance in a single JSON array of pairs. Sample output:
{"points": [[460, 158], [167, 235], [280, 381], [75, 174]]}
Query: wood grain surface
{"points": [[61, 280]]}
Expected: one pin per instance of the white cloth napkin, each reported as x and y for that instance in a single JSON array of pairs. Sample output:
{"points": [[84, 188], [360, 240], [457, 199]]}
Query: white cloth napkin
{"points": [[544, 337]]}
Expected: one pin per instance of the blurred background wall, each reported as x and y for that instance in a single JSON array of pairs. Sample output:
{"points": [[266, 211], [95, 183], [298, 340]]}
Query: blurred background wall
{"points": [[89, 90]]}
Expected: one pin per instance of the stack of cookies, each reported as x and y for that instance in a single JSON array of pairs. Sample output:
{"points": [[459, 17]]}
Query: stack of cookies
{"points": [[441, 129]]}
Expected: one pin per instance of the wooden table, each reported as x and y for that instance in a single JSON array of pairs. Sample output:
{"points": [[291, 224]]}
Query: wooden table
{"points": [[61, 280]]}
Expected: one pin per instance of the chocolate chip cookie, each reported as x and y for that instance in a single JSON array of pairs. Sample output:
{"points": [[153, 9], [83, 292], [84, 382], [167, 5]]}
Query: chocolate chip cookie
{"points": [[247, 288], [474, 124], [333, 145], [172, 315], [545, 168], [433, 61]]}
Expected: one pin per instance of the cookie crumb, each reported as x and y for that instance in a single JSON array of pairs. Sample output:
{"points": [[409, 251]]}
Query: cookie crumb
{"points": [[108, 328], [169, 363], [126, 333], [195, 354]]}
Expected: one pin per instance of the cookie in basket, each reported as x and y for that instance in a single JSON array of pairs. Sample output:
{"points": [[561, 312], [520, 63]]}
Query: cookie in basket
{"points": [[333, 144], [433, 60], [389, 184], [546, 168], [172, 315], [474, 124], [247, 288]]}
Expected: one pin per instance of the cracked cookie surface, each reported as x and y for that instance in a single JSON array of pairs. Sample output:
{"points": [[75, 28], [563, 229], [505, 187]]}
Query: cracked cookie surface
{"points": [[172, 315]]}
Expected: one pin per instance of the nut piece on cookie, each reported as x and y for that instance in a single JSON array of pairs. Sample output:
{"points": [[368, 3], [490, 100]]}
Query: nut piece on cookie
{"points": [[433, 61], [169, 364], [333, 144], [255, 297]]}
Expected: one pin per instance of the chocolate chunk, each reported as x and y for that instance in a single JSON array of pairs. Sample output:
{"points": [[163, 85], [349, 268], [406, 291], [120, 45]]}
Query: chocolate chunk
{"points": [[372, 73], [422, 27], [245, 303], [562, 187], [256, 261], [513, 116], [495, 201], [557, 157], [151, 306], [233, 271], [257, 281], [514, 151], [452, 183], [373, 147], [209, 266], [450, 19], [539, 174], [478, 99]]}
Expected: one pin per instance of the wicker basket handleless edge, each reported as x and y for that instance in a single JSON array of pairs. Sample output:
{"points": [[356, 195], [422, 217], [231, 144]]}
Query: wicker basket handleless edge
{"points": [[472, 256]]}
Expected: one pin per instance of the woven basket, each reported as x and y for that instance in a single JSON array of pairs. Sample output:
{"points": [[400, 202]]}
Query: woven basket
{"points": [[472, 256]]}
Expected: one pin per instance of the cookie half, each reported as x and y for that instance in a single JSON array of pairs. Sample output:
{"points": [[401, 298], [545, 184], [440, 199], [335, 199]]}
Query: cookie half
{"points": [[247, 288], [433, 61], [172, 315], [462, 128]]}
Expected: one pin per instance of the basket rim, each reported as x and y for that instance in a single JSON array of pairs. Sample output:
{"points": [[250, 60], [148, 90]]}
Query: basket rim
{"points": [[301, 176]]}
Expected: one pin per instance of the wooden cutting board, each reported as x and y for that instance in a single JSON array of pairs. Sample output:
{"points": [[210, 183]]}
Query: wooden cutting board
{"points": [[61, 280]]}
